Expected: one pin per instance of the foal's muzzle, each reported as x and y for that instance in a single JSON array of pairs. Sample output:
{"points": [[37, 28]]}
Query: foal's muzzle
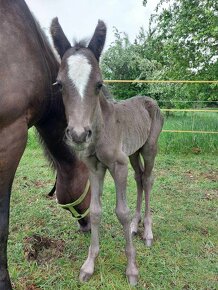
{"points": [[78, 136]]}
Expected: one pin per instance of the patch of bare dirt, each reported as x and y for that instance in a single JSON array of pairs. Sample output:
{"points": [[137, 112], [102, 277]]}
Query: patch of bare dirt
{"points": [[196, 150], [25, 284], [211, 195], [211, 175], [39, 183], [32, 287], [42, 249]]}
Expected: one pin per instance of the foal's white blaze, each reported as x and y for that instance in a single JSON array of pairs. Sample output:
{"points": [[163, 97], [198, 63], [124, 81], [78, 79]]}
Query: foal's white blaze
{"points": [[79, 70]]}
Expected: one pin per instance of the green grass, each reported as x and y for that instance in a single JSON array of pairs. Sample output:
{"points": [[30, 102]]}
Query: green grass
{"points": [[190, 142], [184, 253]]}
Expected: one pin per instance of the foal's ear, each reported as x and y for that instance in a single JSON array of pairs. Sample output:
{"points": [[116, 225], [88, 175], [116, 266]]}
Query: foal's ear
{"points": [[96, 44], [60, 40]]}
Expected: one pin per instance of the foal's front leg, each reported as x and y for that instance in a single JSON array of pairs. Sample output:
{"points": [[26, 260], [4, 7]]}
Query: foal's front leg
{"points": [[97, 174], [119, 173]]}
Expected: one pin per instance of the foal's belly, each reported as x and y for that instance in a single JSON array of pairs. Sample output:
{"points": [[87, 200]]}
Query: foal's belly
{"points": [[136, 132], [133, 143]]}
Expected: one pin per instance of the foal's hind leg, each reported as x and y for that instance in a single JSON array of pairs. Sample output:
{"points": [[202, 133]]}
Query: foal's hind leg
{"points": [[12, 144], [135, 162], [148, 152]]}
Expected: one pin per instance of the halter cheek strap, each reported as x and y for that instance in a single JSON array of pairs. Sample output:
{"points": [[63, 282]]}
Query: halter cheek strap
{"points": [[70, 206]]}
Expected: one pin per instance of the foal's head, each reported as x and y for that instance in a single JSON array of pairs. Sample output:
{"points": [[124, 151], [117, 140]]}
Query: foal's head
{"points": [[80, 80]]}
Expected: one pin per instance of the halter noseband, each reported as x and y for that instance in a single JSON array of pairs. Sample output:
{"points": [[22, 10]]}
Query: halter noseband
{"points": [[70, 206]]}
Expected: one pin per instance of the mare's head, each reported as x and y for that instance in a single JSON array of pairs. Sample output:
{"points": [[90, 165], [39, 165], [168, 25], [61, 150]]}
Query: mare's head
{"points": [[80, 80]]}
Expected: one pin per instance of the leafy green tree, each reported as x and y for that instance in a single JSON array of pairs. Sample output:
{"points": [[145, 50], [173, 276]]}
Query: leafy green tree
{"points": [[183, 37], [181, 44], [126, 61], [121, 63]]}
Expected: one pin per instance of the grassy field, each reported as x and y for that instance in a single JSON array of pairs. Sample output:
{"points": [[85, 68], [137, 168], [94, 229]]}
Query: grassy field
{"points": [[189, 142], [46, 250]]}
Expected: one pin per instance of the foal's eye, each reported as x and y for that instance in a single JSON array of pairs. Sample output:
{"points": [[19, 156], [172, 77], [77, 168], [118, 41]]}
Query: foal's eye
{"points": [[58, 85], [99, 86]]}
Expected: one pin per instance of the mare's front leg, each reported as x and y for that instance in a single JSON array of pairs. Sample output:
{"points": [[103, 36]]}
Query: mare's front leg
{"points": [[97, 173], [13, 141], [119, 172]]}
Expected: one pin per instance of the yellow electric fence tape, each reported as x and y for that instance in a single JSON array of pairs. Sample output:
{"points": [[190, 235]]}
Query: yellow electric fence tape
{"points": [[175, 110]]}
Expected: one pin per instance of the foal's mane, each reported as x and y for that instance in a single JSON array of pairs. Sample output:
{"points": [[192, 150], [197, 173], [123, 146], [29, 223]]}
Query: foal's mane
{"points": [[83, 43]]}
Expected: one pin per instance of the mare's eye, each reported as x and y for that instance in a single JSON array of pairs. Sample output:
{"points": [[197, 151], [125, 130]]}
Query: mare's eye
{"points": [[99, 86]]}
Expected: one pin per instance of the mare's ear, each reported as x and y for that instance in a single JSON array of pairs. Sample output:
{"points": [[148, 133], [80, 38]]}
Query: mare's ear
{"points": [[60, 40], [96, 44]]}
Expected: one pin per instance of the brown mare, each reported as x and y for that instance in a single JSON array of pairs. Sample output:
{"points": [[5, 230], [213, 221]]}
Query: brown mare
{"points": [[28, 68], [104, 133]]}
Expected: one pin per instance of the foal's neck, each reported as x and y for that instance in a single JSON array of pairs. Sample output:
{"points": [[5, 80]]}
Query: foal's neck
{"points": [[106, 105]]}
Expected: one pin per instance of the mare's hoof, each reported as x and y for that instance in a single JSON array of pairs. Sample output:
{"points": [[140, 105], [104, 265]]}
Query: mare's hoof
{"points": [[148, 242], [6, 285], [133, 280], [84, 277]]}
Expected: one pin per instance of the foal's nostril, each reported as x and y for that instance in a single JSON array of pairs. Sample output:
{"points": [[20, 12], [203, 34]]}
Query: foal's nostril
{"points": [[79, 135], [89, 133], [67, 132]]}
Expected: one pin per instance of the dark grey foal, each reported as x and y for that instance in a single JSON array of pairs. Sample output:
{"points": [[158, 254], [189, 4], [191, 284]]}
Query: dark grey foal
{"points": [[104, 133]]}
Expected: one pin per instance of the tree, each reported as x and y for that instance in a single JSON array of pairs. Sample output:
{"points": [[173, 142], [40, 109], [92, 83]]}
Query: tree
{"points": [[181, 44], [126, 61], [183, 37]]}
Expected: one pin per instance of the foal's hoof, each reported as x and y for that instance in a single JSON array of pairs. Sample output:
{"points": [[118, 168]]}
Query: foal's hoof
{"points": [[133, 233], [84, 276], [133, 280], [132, 274], [148, 242], [134, 228]]}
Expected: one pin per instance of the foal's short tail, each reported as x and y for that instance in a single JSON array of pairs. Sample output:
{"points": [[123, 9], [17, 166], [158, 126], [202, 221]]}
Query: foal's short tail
{"points": [[157, 120]]}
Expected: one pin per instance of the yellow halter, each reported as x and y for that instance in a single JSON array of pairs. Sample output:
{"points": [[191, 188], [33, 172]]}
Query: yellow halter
{"points": [[70, 206]]}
